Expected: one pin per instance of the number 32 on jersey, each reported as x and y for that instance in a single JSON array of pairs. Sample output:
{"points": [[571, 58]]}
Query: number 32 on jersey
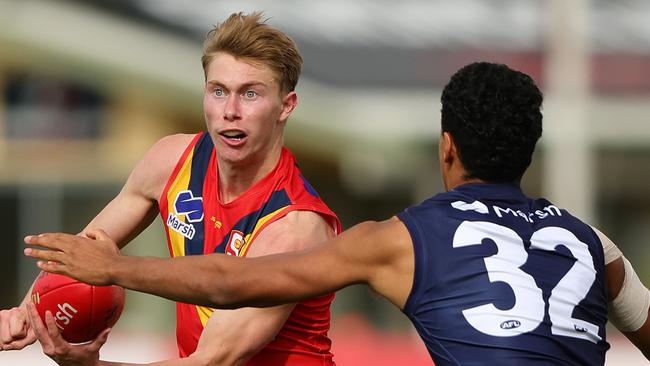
{"points": [[528, 310]]}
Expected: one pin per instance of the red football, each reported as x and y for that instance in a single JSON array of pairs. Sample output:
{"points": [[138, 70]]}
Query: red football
{"points": [[81, 311]]}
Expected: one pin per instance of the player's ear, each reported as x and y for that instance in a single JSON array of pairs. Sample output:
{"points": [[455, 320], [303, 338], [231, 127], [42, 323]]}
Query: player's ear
{"points": [[448, 150], [289, 103]]}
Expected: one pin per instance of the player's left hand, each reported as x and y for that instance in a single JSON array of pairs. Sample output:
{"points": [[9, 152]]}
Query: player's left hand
{"points": [[57, 348], [88, 259]]}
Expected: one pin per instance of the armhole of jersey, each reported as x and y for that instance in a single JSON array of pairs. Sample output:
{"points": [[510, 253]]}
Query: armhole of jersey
{"points": [[324, 212], [418, 257], [275, 216], [162, 200], [284, 212]]}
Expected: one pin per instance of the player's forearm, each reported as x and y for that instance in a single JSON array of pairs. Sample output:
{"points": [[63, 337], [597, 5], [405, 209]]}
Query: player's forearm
{"points": [[202, 280], [190, 361]]}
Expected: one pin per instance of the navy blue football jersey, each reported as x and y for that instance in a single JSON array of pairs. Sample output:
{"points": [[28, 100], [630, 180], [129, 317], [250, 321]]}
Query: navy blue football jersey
{"points": [[503, 279]]}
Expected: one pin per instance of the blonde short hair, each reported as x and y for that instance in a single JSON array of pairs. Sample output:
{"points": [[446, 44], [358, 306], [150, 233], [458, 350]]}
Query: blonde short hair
{"points": [[249, 37]]}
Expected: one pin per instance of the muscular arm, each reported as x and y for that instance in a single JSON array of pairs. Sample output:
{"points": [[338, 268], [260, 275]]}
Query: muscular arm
{"points": [[379, 254], [130, 212], [135, 206]]}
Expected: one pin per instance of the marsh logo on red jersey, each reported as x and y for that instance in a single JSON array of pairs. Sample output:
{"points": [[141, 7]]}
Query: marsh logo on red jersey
{"points": [[189, 206]]}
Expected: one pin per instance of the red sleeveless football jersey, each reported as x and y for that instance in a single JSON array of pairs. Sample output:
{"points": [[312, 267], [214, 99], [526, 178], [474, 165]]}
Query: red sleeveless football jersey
{"points": [[196, 223]]}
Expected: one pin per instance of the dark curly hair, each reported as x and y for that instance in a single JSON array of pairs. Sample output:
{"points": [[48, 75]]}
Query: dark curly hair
{"points": [[493, 114]]}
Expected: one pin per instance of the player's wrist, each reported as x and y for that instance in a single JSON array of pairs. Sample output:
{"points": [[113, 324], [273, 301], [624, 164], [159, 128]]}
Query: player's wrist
{"points": [[122, 270]]}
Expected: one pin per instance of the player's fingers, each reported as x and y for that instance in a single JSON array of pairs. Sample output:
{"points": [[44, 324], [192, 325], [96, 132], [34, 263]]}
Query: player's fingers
{"points": [[58, 241], [97, 234], [99, 341], [47, 255], [39, 329], [18, 324], [5, 336], [53, 267], [8, 320], [22, 343], [53, 330]]}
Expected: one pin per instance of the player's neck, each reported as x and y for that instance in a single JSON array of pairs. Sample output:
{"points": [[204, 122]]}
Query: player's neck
{"points": [[453, 183], [235, 179], [457, 181]]}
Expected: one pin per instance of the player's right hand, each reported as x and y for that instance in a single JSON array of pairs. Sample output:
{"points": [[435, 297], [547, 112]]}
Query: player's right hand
{"points": [[15, 330], [57, 348]]}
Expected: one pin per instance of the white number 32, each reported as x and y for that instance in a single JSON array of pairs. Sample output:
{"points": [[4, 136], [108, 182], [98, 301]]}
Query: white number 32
{"points": [[528, 310]]}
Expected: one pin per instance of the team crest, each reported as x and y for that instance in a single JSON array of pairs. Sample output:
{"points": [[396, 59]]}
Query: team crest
{"points": [[189, 206], [235, 243]]}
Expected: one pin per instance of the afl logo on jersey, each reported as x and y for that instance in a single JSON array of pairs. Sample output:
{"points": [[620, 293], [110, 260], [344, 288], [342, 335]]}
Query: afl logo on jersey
{"points": [[510, 324], [189, 206]]}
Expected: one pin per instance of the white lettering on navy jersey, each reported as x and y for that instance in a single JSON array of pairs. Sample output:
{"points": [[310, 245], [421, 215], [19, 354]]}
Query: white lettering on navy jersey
{"points": [[530, 217], [529, 307]]}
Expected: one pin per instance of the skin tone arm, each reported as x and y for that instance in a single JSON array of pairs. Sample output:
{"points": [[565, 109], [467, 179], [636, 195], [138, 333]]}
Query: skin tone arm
{"points": [[379, 254], [135, 207], [231, 337], [132, 210]]}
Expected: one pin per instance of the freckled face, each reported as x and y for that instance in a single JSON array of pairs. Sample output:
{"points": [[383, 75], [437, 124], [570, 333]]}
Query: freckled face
{"points": [[244, 110]]}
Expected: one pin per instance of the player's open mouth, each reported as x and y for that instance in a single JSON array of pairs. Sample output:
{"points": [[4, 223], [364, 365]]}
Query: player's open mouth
{"points": [[233, 135]]}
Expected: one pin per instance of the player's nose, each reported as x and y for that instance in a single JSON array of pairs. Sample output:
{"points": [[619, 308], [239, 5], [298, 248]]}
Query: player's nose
{"points": [[231, 110]]}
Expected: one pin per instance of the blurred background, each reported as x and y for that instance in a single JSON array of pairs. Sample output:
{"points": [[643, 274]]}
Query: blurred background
{"points": [[87, 86]]}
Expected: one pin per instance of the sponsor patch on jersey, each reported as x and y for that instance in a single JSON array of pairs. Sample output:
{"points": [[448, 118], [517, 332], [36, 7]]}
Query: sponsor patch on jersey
{"points": [[189, 209]]}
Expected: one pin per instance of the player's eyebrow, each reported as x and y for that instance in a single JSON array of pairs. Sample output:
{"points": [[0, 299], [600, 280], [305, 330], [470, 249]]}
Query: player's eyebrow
{"points": [[215, 83]]}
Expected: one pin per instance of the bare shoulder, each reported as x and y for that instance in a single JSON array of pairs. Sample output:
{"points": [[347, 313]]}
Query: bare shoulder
{"points": [[386, 238], [169, 147], [150, 174], [394, 266], [295, 231], [383, 254]]}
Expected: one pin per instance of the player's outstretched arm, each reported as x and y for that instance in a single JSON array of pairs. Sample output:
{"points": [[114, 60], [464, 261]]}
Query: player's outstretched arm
{"points": [[376, 253], [123, 218], [629, 299]]}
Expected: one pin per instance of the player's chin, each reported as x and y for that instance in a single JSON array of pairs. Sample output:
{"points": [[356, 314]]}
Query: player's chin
{"points": [[239, 156]]}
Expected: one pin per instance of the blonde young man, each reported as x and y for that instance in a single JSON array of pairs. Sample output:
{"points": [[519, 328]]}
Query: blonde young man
{"points": [[234, 189], [487, 275]]}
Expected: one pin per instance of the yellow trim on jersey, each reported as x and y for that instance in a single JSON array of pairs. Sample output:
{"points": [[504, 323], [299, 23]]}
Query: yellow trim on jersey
{"points": [[250, 237], [204, 313], [181, 183]]}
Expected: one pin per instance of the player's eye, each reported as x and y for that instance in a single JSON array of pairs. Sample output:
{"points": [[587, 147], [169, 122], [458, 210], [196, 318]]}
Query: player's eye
{"points": [[218, 92], [250, 94]]}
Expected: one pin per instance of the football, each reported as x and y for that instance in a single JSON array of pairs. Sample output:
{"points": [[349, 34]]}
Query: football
{"points": [[81, 311]]}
